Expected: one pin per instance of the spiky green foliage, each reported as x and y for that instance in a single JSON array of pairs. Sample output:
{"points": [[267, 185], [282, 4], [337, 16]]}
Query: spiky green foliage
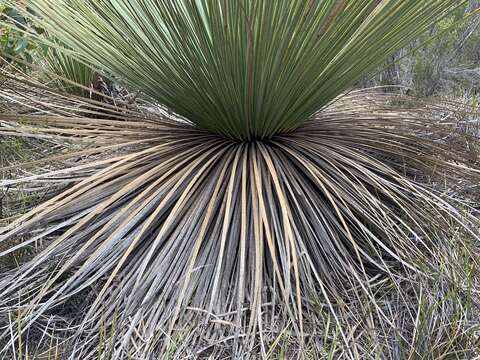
{"points": [[72, 76], [179, 231], [245, 69]]}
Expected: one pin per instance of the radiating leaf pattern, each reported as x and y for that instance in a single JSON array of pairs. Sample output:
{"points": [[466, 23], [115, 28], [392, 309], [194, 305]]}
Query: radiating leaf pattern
{"points": [[183, 220], [252, 189], [245, 69]]}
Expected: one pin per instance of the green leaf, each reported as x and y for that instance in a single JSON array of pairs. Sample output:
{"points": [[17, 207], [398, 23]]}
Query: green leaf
{"points": [[21, 45], [28, 58]]}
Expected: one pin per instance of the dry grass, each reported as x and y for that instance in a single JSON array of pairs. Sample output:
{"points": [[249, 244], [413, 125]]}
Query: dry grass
{"points": [[429, 311]]}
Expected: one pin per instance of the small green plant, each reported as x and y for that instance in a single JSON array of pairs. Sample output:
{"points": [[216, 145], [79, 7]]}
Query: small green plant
{"points": [[70, 75], [16, 45]]}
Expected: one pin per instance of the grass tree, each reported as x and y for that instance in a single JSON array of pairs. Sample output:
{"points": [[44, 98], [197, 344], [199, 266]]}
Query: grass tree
{"points": [[263, 199]]}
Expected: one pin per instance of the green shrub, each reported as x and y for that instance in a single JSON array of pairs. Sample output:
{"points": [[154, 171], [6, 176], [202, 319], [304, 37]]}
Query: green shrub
{"points": [[16, 46]]}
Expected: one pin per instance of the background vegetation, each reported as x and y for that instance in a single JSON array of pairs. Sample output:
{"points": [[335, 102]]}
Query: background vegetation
{"points": [[449, 64]]}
